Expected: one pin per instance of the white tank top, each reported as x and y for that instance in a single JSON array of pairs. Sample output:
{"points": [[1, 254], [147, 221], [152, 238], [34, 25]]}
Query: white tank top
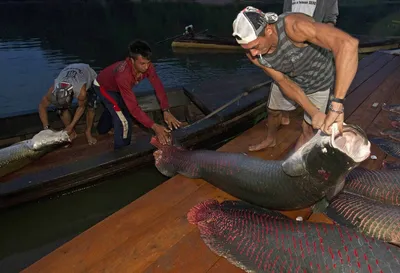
{"points": [[77, 74]]}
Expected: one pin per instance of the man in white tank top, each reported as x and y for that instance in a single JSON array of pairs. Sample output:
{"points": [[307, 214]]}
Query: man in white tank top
{"points": [[324, 11], [74, 81]]}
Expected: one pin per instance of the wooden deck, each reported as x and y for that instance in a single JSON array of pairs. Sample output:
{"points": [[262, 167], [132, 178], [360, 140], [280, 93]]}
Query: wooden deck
{"points": [[152, 234]]}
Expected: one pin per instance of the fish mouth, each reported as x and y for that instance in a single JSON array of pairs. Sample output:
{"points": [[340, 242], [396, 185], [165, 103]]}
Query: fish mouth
{"points": [[353, 142]]}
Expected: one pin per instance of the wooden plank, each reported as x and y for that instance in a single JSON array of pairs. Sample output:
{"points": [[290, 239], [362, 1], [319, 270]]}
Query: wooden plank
{"points": [[357, 97], [381, 122], [189, 255], [369, 59], [364, 72]]}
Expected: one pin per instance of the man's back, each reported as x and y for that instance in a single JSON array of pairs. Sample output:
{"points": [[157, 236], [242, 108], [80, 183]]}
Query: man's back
{"points": [[77, 74], [311, 67]]}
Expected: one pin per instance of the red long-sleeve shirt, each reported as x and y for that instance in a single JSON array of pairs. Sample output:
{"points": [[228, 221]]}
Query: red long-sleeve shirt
{"points": [[120, 77]]}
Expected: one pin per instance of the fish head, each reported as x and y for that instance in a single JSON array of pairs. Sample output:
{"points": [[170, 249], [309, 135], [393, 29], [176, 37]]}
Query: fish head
{"points": [[164, 156], [332, 157], [49, 139]]}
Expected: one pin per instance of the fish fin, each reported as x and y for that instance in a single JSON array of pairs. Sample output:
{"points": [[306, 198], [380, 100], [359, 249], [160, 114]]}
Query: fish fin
{"points": [[320, 206], [294, 166], [335, 190], [202, 211], [243, 205]]}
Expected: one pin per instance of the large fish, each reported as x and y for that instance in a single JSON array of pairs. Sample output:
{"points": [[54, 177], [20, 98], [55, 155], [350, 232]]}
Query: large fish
{"points": [[24, 152], [315, 172], [375, 219], [379, 185], [257, 240], [390, 165], [394, 108], [389, 146]]}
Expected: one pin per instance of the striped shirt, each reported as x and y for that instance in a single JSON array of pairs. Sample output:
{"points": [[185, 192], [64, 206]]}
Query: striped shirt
{"points": [[311, 67]]}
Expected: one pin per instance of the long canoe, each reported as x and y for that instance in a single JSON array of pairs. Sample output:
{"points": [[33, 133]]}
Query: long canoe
{"points": [[367, 44], [81, 164]]}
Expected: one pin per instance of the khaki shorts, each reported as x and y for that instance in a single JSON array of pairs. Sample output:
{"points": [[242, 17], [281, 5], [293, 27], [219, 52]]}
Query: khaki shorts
{"points": [[278, 101]]}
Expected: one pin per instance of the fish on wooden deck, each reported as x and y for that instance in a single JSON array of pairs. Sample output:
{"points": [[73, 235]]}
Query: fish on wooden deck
{"points": [[260, 240]]}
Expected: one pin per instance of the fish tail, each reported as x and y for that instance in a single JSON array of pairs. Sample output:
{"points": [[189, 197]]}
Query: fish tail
{"points": [[202, 211]]}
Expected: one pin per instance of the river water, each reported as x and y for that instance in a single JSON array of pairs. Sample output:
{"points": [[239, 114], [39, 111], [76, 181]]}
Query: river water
{"points": [[37, 40]]}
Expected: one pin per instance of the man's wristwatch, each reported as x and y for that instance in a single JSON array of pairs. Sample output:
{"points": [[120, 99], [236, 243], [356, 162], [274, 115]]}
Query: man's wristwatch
{"points": [[46, 127], [333, 98], [166, 110]]}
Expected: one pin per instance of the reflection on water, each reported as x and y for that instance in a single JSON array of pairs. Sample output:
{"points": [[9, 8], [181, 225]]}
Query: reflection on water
{"points": [[35, 46], [29, 232]]}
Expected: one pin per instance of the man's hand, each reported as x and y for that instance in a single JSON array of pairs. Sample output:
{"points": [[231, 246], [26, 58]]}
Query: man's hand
{"points": [[71, 132], [171, 121], [318, 120], [331, 118], [163, 134]]}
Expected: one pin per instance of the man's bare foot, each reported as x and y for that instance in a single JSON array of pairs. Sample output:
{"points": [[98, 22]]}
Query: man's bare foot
{"points": [[73, 135], [285, 120], [90, 139], [267, 143]]}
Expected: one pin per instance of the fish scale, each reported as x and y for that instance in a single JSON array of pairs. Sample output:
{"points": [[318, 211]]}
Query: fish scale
{"points": [[380, 185], [394, 108], [391, 147], [370, 217], [264, 181], [391, 165], [394, 117], [391, 132], [267, 241]]}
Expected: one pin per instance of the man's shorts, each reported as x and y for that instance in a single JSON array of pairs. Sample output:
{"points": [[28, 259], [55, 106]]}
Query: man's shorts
{"points": [[278, 101], [91, 98]]}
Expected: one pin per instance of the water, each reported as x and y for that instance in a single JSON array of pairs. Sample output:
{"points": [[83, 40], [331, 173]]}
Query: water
{"points": [[29, 232], [35, 46], [38, 40]]}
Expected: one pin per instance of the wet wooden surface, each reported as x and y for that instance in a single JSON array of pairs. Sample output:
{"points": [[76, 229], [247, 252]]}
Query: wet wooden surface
{"points": [[152, 233], [78, 150]]}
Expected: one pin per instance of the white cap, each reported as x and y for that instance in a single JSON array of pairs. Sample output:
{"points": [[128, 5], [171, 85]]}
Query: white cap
{"points": [[249, 23]]}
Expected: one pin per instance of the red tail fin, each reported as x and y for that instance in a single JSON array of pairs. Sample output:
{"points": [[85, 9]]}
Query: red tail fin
{"points": [[202, 211]]}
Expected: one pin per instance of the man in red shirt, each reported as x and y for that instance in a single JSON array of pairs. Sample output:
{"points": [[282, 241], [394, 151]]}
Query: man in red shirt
{"points": [[115, 84]]}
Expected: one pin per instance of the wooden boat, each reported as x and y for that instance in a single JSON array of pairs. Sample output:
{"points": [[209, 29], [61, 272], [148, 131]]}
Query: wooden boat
{"points": [[81, 164], [152, 233], [367, 44]]}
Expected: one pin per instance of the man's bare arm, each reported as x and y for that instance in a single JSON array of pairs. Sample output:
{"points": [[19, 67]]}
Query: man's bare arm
{"points": [[44, 103], [81, 107], [343, 46]]}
